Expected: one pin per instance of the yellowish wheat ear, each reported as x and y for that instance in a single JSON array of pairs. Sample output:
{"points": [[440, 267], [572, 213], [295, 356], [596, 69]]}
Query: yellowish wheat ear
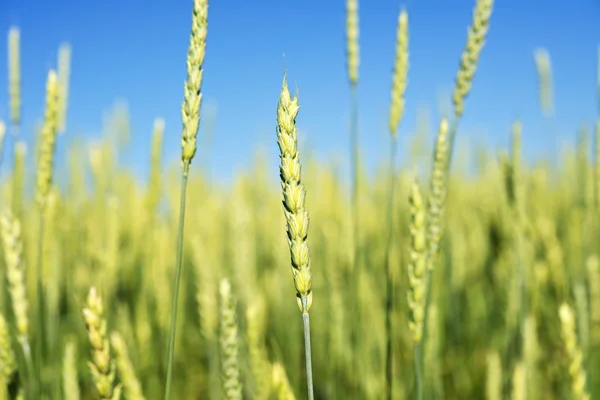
{"points": [[400, 73], [230, 368], [569, 337], [470, 56], [294, 195], [544, 72], [352, 47], [417, 266], [437, 194], [14, 75], [131, 385], [102, 365], [8, 365], [192, 98], [10, 230], [64, 74], [45, 165]]}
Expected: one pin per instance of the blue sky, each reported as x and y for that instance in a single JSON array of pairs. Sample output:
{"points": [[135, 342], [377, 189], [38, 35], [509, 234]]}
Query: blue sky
{"points": [[135, 50]]}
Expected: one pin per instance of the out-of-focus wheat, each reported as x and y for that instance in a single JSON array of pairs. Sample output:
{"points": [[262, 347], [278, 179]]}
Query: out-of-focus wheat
{"points": [[102, 366], [352, 46], [131, 386], [399, 80], [14, 75], [281, 385], [417, 267], [64, 76], [45, 158], [574, 354], [544, 72], [470, 56], [12, 241], [8, 365], [230, 368]]}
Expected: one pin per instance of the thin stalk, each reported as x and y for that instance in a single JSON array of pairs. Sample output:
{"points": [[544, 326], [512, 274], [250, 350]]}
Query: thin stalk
{"points": [[418, 361], [355, 218], [307, 351], [30, 370], [176, 280], [40, 314], [388, 276], [354, 168]]}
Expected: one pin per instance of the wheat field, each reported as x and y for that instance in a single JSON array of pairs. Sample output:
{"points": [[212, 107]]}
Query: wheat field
{"points": [[422, 283]]}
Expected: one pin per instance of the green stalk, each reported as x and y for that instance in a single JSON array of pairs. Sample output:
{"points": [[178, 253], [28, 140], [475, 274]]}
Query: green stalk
{"points": [[355, 215], [388, 276], [354, 165], [30, 370], [176, 280], [307, 350], [418, 361]]}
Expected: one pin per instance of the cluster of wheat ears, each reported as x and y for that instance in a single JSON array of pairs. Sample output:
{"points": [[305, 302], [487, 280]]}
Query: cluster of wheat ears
{"points": [[491, 284]]}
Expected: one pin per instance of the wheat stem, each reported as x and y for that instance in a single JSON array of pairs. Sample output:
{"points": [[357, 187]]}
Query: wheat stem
{"points": [[418, 361], [176, 281], [307, 349], [388, 275]]}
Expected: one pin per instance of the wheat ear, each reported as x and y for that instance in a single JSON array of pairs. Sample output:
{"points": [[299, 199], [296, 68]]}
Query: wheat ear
{"points": [[8, 365], [417, 270], [64, 74], [14, 77], [190, 116], [102, 365], [12, 245], [259, 364], [230, 368], [296, 216], [468, 62], [569, 337], [544, 72], [131, 385]]}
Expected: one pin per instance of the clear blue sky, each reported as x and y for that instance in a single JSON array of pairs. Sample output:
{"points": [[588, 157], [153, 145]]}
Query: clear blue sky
{"points": [[136, 50]]}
